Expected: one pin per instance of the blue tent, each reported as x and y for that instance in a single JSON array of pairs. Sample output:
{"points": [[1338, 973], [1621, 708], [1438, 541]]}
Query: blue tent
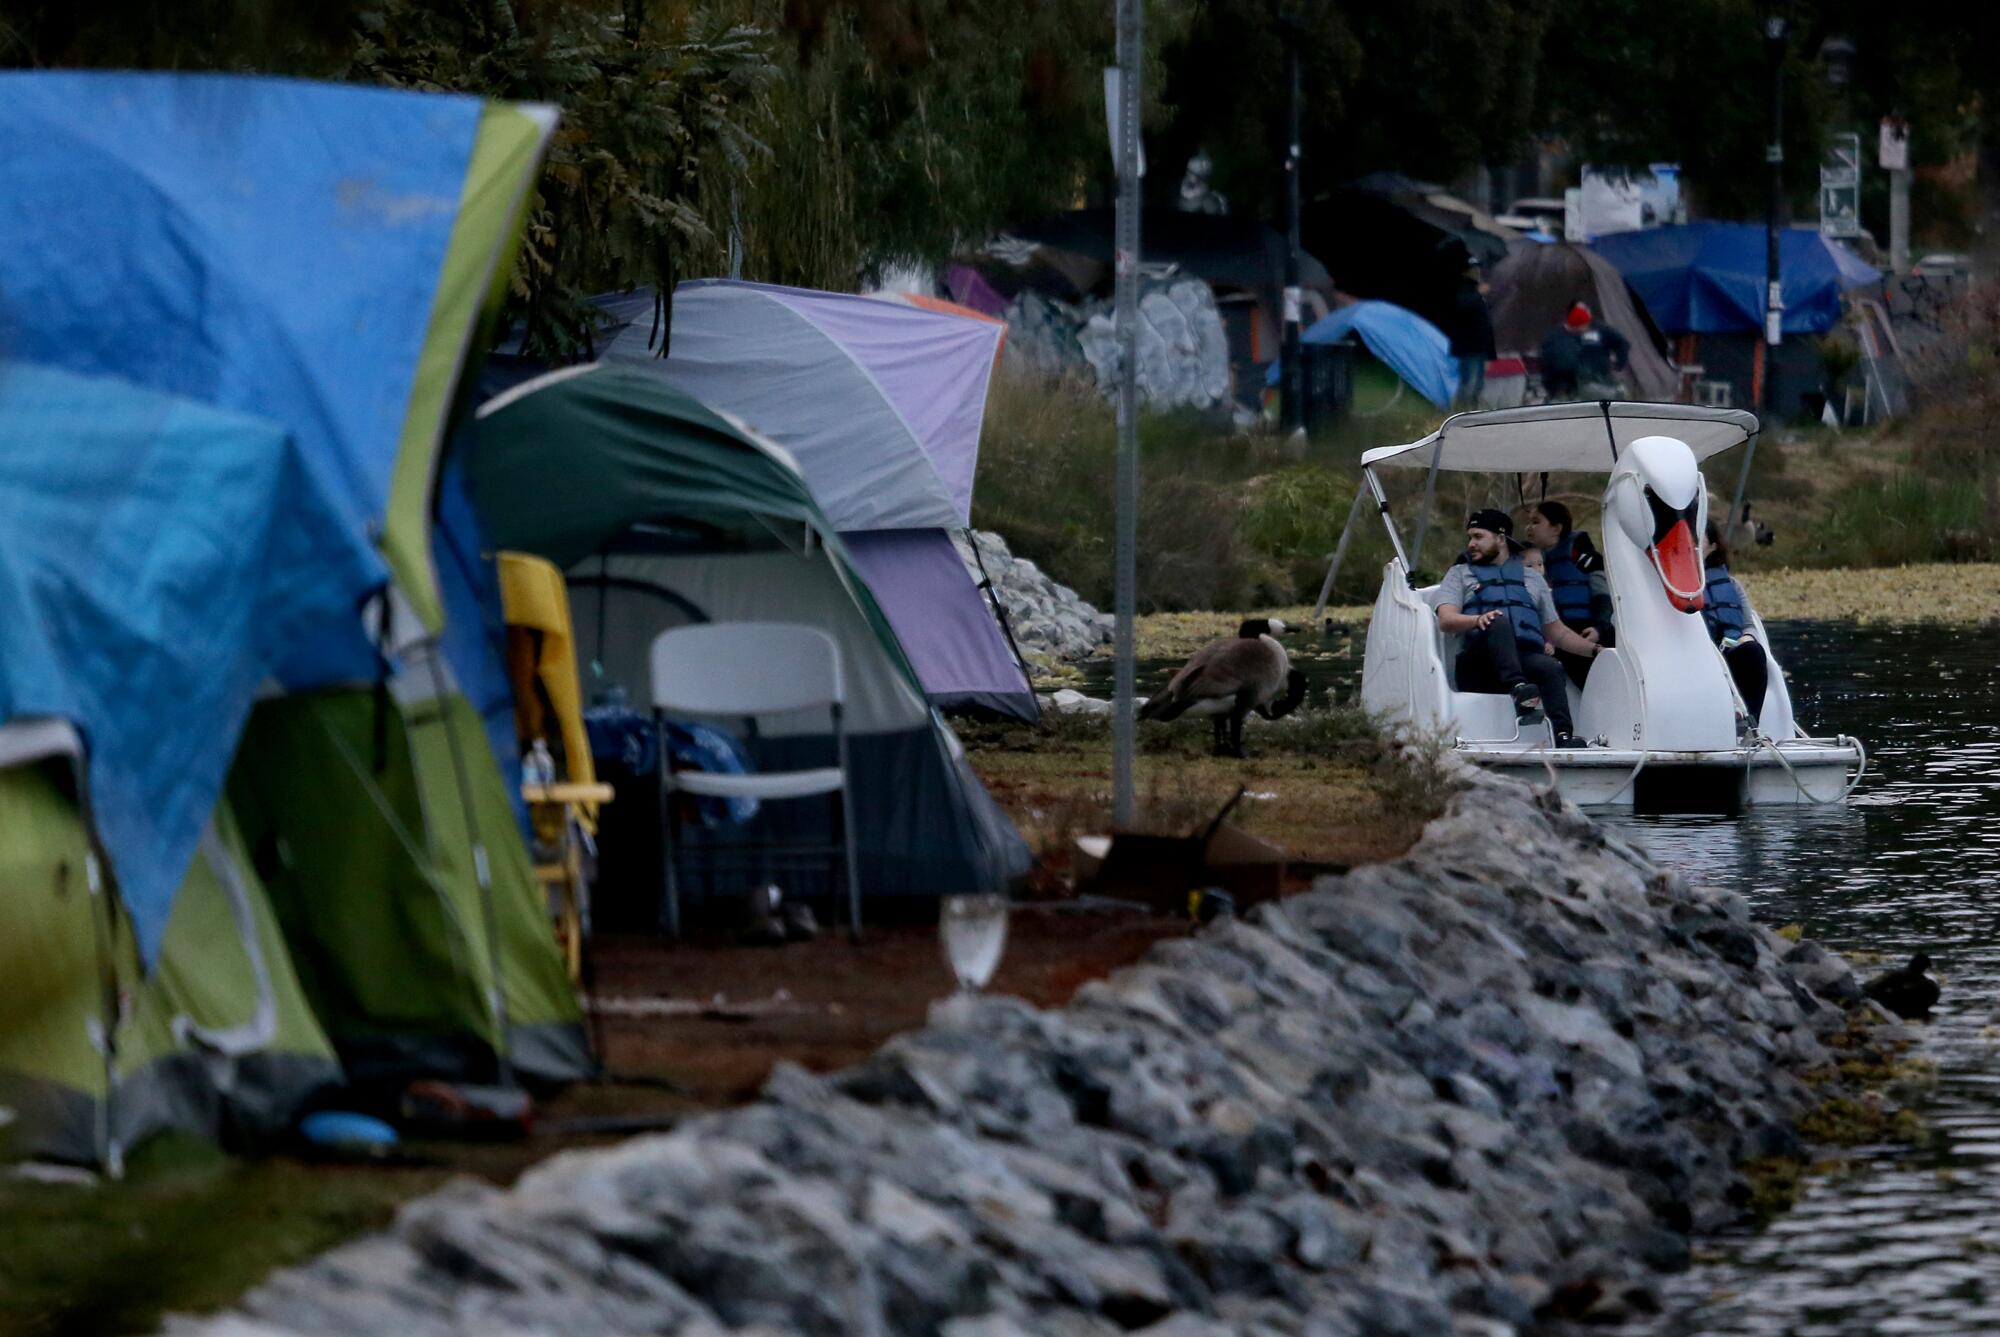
{"points": [[1708, 278], [154, 572], [304, 263], [1404, 341]]}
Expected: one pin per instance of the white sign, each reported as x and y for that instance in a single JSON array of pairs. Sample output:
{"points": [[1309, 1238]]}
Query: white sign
{"points": [[1840, 186], [1893, 152], [1112, 119]]}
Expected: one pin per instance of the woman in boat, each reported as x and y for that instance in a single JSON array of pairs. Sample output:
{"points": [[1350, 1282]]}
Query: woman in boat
{"points": [[1575, 572], [1727, 613]]}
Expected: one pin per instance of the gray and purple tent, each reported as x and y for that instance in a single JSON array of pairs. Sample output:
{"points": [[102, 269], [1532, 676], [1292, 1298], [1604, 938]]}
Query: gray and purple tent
{"points": [[880, 402]]}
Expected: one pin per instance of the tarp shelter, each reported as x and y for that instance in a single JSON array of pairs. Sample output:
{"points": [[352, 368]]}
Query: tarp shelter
{"points": [[1388, 237], [1533, 289], [1416, 350], [664, 512], [1708, 278], [292, 272], [1703, 284], [1220, 250], [881, 404]]}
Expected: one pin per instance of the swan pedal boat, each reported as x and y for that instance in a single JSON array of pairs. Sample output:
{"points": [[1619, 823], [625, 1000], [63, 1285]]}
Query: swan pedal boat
{"points": [[1660, 711]]}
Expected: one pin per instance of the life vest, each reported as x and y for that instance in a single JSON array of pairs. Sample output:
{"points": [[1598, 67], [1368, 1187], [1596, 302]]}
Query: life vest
{"points": [[1722, 605], [1504, 586], [1569, 584]]}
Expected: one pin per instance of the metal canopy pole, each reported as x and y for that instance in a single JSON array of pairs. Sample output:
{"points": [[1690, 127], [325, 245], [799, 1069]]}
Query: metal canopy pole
{"points": [[1742, 480], [1131, 60], [1340, 551], [1424, 515], [1388, 523]]}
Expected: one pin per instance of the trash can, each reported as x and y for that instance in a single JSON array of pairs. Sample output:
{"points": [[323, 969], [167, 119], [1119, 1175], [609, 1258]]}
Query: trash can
{"points": [[1327, 373]]}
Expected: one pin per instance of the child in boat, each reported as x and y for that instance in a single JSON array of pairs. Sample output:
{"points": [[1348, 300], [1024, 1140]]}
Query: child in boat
{"points": [[1575, 572], [1727, 612]]}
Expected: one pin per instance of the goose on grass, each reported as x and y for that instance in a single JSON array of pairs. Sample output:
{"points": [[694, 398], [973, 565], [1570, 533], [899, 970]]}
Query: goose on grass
{"points": [[1228, 679]]}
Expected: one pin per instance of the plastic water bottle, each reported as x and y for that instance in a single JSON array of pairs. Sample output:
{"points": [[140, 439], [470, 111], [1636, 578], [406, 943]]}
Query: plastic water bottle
{"points": [[539, 766]]}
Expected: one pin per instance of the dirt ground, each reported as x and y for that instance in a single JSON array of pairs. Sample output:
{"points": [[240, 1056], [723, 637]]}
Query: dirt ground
{"points": [[723, 1014]]}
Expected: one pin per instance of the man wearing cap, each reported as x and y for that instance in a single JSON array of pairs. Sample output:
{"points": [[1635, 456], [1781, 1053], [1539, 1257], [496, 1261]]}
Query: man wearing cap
{"points": [[1582, 359], [1508, 620]]}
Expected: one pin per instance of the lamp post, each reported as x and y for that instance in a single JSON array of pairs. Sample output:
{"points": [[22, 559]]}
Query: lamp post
{"points": [[1131, 17], [1291, 393], [1774, 158]]}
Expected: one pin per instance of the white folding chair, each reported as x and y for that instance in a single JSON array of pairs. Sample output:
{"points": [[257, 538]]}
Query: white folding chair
{"points": [[747, 670]]}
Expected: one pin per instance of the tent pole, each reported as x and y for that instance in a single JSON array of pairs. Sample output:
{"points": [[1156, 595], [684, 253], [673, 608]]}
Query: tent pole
{"points": [[482, 868], [1424, 514], [992, 593], [1339, 552]]}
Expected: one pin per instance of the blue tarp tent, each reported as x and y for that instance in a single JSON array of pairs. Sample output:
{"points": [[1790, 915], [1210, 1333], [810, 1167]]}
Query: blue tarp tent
{"points": [[1708, 278], [1404, 341], [154, 571], [311, 257]]}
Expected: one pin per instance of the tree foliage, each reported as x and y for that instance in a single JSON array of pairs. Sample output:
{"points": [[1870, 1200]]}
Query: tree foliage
{"points": [[1434, 87], [819, 140]]}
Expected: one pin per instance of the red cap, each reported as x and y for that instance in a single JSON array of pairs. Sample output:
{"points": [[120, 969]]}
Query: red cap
{"points": [[1579, 316]]}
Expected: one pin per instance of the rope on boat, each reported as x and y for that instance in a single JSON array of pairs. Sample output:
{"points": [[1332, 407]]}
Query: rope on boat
{"points": [[1805, 793]]}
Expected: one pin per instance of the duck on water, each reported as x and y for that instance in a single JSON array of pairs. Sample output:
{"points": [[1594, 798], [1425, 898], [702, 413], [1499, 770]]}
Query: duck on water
{"points": [[1230, 678], [1662, 717]]}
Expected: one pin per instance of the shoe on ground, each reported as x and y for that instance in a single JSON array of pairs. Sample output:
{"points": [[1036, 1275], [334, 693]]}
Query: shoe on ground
{"points": [[1569, 741]]}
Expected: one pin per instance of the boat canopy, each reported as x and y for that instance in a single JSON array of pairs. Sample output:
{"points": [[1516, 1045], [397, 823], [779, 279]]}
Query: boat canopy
{"points": [[1563, 438]]}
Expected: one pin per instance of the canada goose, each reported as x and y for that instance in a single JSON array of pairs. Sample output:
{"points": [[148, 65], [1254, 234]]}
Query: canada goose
{"points": [[1228, 679], [1908, 992], [1747, 531]]}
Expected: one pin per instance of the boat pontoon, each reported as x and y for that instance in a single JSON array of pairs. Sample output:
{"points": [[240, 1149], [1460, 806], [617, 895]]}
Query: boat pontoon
{"points": [[1660, 712]]}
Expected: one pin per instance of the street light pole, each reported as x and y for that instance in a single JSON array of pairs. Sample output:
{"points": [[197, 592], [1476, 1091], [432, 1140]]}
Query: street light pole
{"points": [[1774, 157], [1131, 60], [1292, 391]]}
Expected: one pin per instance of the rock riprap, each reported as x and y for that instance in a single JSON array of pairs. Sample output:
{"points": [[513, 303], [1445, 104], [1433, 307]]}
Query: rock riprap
{"points": [[1494, 1083], [1051, 621]]}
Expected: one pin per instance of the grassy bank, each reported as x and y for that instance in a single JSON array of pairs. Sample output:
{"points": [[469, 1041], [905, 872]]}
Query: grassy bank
{"points": [[1323, 784], [1950, 594], [1234, 522]]}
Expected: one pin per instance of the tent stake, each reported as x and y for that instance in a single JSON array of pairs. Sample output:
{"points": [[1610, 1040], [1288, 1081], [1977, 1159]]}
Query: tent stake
{"points": [[1339, 552]]}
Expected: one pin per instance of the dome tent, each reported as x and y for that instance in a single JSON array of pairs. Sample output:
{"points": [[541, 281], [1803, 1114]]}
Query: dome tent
{"points": [[670, 513], [191, 533], [880, 403]]}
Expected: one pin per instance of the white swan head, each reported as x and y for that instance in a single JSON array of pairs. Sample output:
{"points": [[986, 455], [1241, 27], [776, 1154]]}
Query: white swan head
{"points": [[1662, 510]]}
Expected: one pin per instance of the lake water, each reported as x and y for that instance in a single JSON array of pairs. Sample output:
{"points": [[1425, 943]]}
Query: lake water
{"points": [[1906, 1240]]}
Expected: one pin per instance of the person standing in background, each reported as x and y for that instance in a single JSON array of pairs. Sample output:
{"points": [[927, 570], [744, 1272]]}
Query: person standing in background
{"points": [[1471, 334]]}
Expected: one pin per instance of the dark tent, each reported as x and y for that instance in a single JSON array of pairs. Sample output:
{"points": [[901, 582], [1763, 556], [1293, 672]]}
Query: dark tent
{"points": [[664, 512], [1402, 241], [1222, 251], [1536, 285]]}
